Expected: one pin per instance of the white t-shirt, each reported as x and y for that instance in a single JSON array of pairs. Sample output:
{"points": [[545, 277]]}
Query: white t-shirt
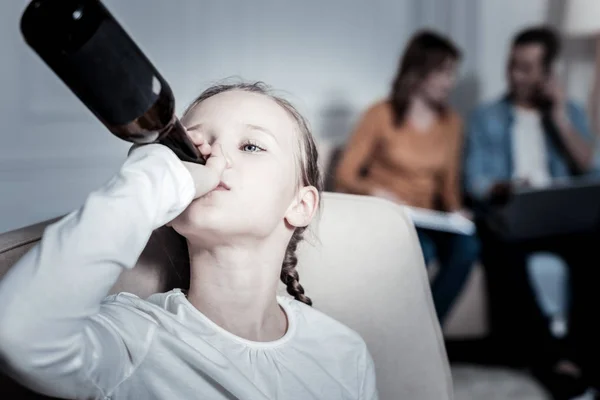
{"points": [[530, 154], [61, 336]]}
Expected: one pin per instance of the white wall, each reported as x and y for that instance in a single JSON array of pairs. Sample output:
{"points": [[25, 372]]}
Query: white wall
{"points": [[331, 58]]}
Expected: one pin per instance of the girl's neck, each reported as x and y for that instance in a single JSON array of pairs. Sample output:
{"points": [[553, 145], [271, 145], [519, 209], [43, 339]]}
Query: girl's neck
{"points": [[236, 287]]}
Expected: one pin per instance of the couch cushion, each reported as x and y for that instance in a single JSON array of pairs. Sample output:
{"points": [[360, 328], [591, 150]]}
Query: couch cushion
{"points": [[16, 243]]}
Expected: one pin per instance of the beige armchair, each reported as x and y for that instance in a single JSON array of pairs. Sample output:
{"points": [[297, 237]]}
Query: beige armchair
{"points": [[361, 264]]}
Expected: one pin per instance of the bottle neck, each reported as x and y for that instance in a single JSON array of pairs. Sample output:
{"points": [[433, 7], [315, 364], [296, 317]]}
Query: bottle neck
{"points": [[176, 138]]}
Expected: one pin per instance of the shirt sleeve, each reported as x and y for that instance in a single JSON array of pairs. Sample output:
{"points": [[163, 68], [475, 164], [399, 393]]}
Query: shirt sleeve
{"points": [[581, 123], [450, 186], [596, 162], [51, 336], [357, 154], [477, 183], [369, 383]]}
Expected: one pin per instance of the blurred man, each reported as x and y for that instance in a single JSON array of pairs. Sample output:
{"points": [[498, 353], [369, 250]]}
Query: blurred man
{"points": [[531, 136]]}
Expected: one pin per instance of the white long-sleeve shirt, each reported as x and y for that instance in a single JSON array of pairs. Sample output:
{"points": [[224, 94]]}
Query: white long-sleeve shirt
{"points": [[61, 335]]}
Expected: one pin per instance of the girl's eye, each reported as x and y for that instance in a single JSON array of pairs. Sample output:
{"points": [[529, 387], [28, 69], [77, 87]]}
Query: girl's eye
{"points": [[251, 148]]}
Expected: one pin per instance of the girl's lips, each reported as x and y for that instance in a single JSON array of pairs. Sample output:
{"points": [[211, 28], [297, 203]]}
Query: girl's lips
{"points": [[222, 186]]}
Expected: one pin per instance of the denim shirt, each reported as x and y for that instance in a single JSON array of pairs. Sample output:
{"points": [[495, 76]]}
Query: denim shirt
{"points": [[488, 156]]}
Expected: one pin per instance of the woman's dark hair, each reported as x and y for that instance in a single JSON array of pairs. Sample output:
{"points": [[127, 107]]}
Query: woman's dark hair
{"points": [[310, 174], [426, 52]]}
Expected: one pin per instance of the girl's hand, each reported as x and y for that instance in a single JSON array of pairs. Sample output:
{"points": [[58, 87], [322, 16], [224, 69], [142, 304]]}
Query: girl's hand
{"points": [[207, 177]]}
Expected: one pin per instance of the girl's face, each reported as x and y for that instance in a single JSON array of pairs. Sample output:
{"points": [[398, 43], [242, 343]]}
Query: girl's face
{"points": [[260, 189]]}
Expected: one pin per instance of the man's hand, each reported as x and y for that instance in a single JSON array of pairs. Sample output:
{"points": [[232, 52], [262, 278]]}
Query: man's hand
{"points": [[501, 192], [556, 93], [582, 154]]}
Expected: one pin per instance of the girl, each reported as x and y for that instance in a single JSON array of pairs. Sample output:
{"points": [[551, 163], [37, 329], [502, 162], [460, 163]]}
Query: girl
{"points": [[229, 336], [407, 149]]}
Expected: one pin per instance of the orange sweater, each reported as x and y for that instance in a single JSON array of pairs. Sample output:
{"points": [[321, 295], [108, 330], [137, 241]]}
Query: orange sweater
{"points": [[419, 167]]}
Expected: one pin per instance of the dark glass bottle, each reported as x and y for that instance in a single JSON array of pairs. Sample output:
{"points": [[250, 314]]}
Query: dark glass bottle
{"points": [[93, 55]]}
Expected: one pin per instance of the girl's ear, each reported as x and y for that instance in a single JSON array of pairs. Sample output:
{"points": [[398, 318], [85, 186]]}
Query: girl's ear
{"points": [[303, 208]]}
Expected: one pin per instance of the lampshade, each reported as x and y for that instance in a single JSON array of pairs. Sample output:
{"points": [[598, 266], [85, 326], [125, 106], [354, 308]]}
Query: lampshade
{"points": [[582, 17]]}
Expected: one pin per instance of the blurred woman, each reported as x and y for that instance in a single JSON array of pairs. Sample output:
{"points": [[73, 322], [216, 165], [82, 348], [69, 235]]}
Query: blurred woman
{"points": [[407, 149]]}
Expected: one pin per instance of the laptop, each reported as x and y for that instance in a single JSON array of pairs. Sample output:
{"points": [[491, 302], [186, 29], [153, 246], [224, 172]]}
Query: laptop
{"points": [[566, 207]]}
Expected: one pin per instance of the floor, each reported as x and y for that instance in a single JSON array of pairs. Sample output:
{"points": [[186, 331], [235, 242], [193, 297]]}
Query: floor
{"points": [[477, 383]]}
